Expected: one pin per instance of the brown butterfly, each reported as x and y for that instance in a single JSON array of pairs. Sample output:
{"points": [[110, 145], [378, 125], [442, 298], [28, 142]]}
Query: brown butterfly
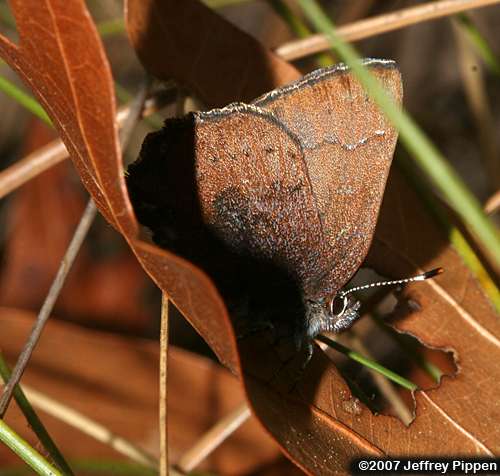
{"points": [[276, 200]]}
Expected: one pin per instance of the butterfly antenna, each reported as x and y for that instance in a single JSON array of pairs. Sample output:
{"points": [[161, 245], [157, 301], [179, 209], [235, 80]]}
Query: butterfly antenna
{"points": [[419, 277]]}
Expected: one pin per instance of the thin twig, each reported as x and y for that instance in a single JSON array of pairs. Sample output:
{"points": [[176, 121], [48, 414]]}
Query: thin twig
{"points": [[316, 43], [425, 153], [134, 113], [299, 28], [39, 161], [213, 438], [379, 24], [152, 104], [73, 248], [163, 403], [66, 263], [88, 426]]}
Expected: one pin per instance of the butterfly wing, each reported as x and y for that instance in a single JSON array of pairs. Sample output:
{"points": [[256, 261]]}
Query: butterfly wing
{"points": [[254, 190], [348, 146]]}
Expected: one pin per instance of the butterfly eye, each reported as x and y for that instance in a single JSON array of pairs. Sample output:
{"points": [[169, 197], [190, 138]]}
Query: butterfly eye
{"points": [[338, 305]]}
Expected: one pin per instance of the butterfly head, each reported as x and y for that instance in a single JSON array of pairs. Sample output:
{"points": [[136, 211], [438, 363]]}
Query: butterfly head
{"points": [[340, 312], [332, 315]]}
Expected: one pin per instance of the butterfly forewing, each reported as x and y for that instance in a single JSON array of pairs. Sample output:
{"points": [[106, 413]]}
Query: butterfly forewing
{"points": [[255, 192]]}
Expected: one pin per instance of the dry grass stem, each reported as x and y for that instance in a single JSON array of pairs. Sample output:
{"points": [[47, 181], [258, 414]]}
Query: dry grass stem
{"points": [[213, 438], [32, 165], [89, 427], [380, 24], [492, 205], [163, 403]]}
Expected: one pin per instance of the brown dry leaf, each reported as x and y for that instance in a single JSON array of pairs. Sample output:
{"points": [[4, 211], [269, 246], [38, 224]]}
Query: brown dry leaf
{"points": [[204, 51], [114, 380], [58, 43], [450, 312]]}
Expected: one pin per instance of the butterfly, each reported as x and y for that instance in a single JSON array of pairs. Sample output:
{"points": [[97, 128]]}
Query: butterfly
{"points": [[276, 200]]}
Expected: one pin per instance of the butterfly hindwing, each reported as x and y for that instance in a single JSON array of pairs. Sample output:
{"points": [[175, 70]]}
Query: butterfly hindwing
{"points": [[348, 146]]}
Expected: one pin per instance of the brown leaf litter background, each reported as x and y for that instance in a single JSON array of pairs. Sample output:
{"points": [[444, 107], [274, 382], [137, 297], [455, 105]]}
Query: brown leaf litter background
{"points": [[60, 56]]}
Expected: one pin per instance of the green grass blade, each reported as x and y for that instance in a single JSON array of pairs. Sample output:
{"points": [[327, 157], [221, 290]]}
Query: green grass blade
{"points": [[368, 363], [293, 21], [421, 148], [35, 422], [6, 15], [10, 89], [101, 467], [31, 457], [106, 29]]}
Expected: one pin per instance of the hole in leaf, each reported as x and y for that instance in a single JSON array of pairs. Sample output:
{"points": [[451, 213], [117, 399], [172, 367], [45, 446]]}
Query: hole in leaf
{"points": [[402, 354]]}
